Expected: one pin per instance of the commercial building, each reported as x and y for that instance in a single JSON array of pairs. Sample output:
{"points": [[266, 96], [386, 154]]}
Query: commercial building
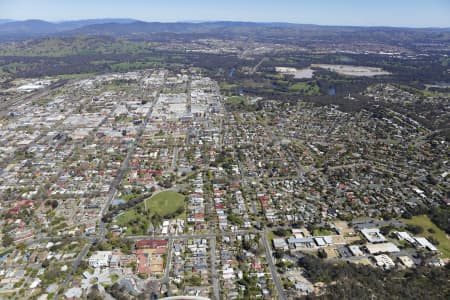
{"points": [[373, 235], [100, 259], [382, 248]]}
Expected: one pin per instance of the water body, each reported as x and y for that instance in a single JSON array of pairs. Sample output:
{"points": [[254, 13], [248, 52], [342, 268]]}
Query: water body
{"points": [[442, 84], [117, 202], [231, 73], [346, 59], [352, 70], [305, 73]]}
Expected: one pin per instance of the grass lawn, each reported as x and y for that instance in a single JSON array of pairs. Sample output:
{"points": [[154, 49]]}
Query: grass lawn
{"points": [[76, 76], [425, 222], [235, 99], [5, 251], [270, 236], [165, 203], [299, 86], [322, 231], [127, 216], [225, 86], [305, 88]]}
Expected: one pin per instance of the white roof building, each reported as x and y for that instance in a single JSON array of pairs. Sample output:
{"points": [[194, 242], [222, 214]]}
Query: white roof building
{"points": [[228, 273], [384, 261], [121, 110], [406, 261], [74, 293], [382, 248], [35, 283], [355, 250], [373, 235], [422, 242], [402, 235], [279, 243], [100, 259]]}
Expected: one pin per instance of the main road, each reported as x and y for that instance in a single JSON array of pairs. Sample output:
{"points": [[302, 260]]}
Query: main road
{"points": [[123, 169], [166, 277], [273, 269], [74, 269], [215, 277], [245, 187], [112, 192]]}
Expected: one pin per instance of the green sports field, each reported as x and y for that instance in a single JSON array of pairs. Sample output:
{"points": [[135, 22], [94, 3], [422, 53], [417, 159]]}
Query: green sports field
{"points": [[165, 203], [437, 233]]}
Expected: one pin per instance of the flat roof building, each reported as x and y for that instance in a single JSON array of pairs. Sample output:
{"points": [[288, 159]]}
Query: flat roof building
{"points": [[355, 250], [279, 243], [382, 248], [373, 235], [422, 242], [406, 261], [384, 261]]}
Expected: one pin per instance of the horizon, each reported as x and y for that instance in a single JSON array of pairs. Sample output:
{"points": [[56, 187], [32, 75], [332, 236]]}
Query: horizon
{"points": [[383, 13], [228, 21]]}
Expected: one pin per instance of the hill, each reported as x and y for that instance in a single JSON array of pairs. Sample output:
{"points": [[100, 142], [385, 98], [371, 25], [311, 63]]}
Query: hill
{"points": [[19, 30], [16, 30]]}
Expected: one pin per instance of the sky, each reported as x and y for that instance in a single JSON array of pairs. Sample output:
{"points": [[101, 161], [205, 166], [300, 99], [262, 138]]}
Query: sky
{"points": [[403, 13]]}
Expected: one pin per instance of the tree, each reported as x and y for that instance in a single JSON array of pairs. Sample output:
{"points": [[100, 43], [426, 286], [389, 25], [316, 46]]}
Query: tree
{"points": [[54, 204], [415, 229], [280, 232], [7, 240], [156, 219], [117, 291], [94, 293], [433, 240], [386, 229], [45, 263], [278, 254], [407, 215], [322, 254]]}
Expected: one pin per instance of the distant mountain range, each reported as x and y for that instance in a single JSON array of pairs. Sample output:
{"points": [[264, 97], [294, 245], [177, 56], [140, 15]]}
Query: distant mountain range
{"points": [[118, 26], [17, 30], [35, 28], [2, 21]]}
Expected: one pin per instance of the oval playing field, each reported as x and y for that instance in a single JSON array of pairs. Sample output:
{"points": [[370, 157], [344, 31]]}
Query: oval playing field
{"points": [[165, 203]]}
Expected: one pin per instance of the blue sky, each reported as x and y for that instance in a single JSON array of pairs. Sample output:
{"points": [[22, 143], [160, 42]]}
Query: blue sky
{"points": [[410, 13]]}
